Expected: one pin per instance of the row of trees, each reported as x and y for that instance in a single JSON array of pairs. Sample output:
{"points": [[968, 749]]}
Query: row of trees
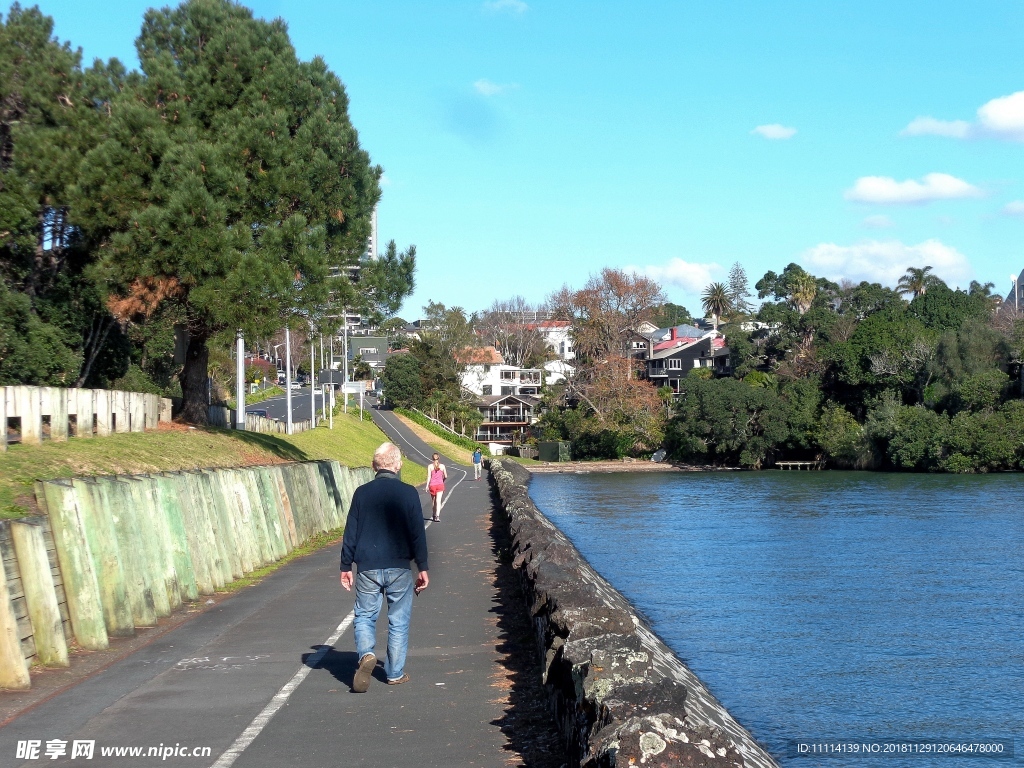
{"points": [[220, 188], [919, 377]]}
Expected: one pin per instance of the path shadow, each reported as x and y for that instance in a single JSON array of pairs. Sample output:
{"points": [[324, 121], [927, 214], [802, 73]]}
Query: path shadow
{"points": [[527, 721]]}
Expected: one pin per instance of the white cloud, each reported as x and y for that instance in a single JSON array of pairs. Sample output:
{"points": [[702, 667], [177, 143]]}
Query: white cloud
{"points": [[485, 87], [934, 186], [1004, 117], [929, 126], [885, 261], [775, 131], [691, 277], [507, 6], [878, 222], [1000, 118], [1016, 208], [385, 180]]}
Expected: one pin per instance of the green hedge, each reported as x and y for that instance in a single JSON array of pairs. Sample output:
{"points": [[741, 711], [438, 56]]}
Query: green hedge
{"points": [[462, 442]]}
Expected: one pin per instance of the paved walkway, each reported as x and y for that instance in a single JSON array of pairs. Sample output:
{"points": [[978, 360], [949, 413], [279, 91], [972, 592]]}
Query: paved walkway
{"points": [[263, 679]]}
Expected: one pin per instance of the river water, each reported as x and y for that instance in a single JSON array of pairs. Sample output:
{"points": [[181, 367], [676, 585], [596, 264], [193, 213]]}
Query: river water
{"points": [[824, 606]]}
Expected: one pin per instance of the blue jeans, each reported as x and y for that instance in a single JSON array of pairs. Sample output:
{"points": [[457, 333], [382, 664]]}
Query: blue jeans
{"points": [[371, 587]]}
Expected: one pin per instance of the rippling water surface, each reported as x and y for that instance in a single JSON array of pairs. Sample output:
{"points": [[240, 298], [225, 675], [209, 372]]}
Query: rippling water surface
{"points": [[823, 604]]}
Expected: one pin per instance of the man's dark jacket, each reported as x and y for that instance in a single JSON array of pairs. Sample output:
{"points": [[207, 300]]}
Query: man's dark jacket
{"points": [[384, 527]]}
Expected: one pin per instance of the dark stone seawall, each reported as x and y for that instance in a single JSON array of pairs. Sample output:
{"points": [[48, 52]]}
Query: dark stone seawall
{"points": [[618, 693]]}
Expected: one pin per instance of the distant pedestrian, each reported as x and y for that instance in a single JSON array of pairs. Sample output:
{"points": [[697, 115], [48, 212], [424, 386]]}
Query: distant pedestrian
{"points": [[478, 460], [383, 533], [437, 473]]}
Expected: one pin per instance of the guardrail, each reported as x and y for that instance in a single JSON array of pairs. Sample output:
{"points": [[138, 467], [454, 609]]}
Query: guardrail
{"points": [[30, 415]]}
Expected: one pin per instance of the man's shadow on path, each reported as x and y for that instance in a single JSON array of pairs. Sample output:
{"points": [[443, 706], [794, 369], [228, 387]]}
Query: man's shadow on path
{"points": [[340, 664]]}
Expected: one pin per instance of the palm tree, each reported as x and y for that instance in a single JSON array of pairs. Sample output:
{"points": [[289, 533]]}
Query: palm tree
{"points": [[716, 301], [917, 281], [803, 289]]}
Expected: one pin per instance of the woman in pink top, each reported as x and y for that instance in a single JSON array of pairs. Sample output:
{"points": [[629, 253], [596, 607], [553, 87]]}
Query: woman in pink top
{"points": [[437, 473]]}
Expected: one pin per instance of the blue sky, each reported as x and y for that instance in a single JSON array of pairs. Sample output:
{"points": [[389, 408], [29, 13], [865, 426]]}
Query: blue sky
{"points": [[527, 144]]}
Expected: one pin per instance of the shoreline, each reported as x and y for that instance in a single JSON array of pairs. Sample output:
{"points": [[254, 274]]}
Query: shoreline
{"points": [[621, 465]]}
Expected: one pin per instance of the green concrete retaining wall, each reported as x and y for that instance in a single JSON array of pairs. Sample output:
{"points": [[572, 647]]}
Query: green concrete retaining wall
{"points": [[115, 553]]}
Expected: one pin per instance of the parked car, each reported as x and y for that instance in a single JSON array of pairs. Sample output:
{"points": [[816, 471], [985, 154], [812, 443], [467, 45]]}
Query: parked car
{"points": [[259, 412], [296, 385]]}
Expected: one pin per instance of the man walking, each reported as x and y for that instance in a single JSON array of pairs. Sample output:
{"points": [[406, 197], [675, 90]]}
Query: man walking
{"points": [[478, 459], [383, 533]]}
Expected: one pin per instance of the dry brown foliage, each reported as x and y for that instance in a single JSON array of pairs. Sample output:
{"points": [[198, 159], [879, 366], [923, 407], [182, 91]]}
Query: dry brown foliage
{"points": [[144, 297]]}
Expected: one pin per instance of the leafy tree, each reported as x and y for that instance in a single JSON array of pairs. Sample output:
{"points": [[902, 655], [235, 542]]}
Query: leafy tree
{"points": [[942, 309], [842, 439], [230, 184], [385, 282], [716, 302], [726, 421], [52, 113], [401, 378], [608, 304], [739, 290], [919, 439], [668, 315], [31, 351], [445, 335], [917, 281], [510, 328]]}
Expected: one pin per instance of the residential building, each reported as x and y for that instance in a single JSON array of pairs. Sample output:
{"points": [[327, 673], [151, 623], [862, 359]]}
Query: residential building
{"points": [[677, 351], [486, 374], [506, 418]]}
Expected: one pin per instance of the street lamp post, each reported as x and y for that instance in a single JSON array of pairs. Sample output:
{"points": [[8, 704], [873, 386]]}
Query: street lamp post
{"points": [[312, 379], [1016, 292], [239, 381], [288, 380]]}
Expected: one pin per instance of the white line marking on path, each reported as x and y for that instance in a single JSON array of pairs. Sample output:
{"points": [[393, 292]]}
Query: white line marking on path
{"points": [[280, 698], [398, 436]]}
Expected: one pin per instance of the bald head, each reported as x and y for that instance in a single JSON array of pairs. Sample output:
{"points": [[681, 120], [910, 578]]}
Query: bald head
{"points": [[388, 458]]}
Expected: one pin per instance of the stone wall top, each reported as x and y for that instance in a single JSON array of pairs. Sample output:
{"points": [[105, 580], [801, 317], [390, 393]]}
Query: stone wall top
{"points": [[620, 695]]}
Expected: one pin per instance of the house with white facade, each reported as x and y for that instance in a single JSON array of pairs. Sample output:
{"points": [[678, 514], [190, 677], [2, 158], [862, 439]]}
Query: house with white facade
{"points": [[486, 374]]}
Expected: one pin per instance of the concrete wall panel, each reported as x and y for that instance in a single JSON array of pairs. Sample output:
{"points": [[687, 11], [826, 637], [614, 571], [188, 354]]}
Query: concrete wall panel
{"points": [[40, 593], [79, 575], [13, 667], [103, 407], [97, 519], [181, 554]]}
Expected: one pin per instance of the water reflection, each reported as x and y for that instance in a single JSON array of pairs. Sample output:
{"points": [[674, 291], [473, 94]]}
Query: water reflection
{"points": [[822, 603]]}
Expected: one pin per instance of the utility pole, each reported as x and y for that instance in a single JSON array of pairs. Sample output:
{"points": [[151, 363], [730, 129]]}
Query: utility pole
{"points": [[344, 363], [239, 381], [288, 380]]}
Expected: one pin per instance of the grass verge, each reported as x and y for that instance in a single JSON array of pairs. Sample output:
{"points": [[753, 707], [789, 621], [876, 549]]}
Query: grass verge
{"points": [[467, 445], [436, 442], [175, 446], [317, 542]]}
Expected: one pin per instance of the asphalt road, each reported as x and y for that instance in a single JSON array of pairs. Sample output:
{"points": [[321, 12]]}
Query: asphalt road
{"points": [[262, 679], [276, 407]]}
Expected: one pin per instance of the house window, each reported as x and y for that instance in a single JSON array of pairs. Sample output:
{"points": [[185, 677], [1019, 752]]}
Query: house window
{"points": [[487, 369], [508, 390], [657, 364], [675, 364], [639, 345], [487, 389], [509, 375]]}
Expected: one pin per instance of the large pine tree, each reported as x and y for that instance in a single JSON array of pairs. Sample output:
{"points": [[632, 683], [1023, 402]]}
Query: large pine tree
{"points": [[53, 320], [231, 183]]}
